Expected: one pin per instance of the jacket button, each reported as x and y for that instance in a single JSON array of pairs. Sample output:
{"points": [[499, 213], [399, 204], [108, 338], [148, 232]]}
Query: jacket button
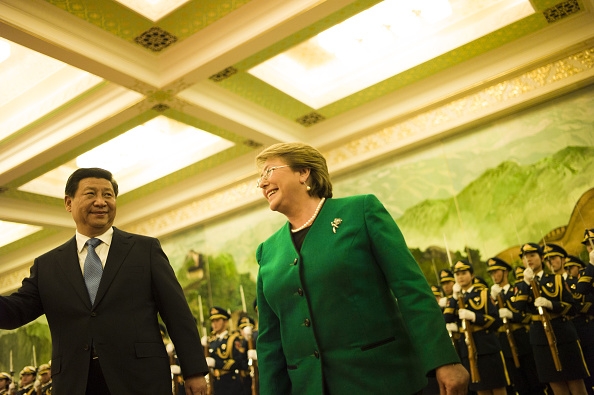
{"points": [[307, 322], [93, 314], [317, 354], [86, 347], [300, 292], [294, 262]]}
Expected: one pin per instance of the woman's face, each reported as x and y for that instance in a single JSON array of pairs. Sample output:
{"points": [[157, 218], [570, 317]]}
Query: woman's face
{"points": [[281, 185]]}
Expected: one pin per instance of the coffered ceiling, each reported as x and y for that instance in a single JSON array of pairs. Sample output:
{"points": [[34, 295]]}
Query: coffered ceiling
{"points": [[193, 90]]}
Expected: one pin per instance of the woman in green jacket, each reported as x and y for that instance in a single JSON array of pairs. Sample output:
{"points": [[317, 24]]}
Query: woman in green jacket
{"points": [[343, 306]]}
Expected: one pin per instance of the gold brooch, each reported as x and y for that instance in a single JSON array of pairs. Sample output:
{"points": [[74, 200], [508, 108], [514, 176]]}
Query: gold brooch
{"points": [[335, 224]]}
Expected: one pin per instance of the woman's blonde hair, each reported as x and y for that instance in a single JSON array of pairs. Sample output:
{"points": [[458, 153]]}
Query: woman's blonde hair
{"points": [[302, 156]]}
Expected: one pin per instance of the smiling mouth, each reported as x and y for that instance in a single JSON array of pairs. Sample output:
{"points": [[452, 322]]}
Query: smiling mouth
{"points": [[272, 192]]}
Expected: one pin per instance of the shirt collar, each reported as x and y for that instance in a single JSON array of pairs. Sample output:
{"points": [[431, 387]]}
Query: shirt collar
{"points": [[81, 239]]}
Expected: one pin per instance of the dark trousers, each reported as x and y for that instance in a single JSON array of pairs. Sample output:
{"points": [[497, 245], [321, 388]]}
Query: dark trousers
{"points": [[96, 384]]}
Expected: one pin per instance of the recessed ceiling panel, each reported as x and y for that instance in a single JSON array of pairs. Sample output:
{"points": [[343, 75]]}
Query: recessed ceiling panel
{"points": [[33, 85], [385, 40], [139, 156], [153, 9], [12, 231]]}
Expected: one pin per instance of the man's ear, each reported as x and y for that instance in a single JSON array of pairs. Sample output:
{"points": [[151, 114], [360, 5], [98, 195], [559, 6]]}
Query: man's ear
{"points": [[68, 203]]}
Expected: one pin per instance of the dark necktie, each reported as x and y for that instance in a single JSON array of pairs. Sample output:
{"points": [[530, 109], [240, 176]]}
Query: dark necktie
{"points": [[93, 268]]}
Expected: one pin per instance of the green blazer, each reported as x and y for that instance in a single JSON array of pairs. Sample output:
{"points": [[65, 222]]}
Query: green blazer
{"points": [[352, 312]]}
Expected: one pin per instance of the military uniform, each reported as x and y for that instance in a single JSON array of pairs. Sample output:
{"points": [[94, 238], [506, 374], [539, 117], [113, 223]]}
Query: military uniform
{"points": [[446, 276], [229, 351], [524, 377], [490, 360], [553, 288]]}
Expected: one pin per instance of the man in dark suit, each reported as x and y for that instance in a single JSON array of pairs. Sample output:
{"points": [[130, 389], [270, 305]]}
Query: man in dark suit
{"points": [[102, 292]]}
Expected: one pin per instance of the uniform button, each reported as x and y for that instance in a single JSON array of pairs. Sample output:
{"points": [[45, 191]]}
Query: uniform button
{"points": [[307, 322], [317, 354], [300, 292]]}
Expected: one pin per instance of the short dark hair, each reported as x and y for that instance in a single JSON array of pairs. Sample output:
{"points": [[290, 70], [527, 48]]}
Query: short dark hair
{"points": [[91, 172]]}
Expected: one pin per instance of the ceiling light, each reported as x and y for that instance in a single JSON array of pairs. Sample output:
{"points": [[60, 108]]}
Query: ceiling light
{"points": [[4, 50], [153, 9], [141, 155], [12, 231], [385, 40]]}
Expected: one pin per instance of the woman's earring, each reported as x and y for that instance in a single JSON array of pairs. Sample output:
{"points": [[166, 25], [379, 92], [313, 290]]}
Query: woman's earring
{"points": [[308, 188]]}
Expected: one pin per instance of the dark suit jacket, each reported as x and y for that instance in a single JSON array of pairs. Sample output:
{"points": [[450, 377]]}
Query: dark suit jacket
{"points": [[352, 311], [137, 283]]}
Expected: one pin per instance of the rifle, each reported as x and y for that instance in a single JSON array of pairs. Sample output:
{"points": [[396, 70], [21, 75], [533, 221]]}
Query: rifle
{"points": [[209, 390], [472, 351], [510, 336], [251, 346], [546, 324], [254, 364]]}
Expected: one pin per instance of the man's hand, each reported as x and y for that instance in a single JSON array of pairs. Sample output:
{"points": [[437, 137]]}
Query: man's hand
{"points": [[452, 379], [495, 291], [195, 385]]}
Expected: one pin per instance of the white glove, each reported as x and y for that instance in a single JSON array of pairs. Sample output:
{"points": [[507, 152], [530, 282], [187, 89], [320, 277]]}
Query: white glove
{"points": [[452, 327], [495, 291], [204, 341], [457, 289], [252, 354], [210, 361], [11, 388], [175, 369], [247, 331], [466, 314], [592, 257], [170, 349], [543, 302], [505, 313], [528, 275], [37, 384], [443, 302]]}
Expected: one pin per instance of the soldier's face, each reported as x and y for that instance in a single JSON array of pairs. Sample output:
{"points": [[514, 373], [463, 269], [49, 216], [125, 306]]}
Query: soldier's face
{"points": [[533, 260], [27, 378], [44, 377], [555, 263], [448, 287], [464, 278], [497, 276]]}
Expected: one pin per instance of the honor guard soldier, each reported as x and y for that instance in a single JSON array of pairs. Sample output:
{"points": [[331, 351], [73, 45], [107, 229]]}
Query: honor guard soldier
{"points": [[513, 334], [28, 375], [447, 280], [44, 375], [586, 283], [518, 274], [436, 292], [228, 355], [478, 318], [553, 337], [5, 381]]}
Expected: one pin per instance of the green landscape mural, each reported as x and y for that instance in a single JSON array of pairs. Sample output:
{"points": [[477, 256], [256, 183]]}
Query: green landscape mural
{"points": [[480, 192]]}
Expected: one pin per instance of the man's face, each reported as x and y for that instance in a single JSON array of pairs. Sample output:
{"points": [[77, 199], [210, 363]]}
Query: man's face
{"points": [[45, 377], [3, 384], [218, 325], [573, 271], [26, 379], [497, 276], [464, 278], [93, 206], [555, 263], [448, 287], [532, 260]]}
